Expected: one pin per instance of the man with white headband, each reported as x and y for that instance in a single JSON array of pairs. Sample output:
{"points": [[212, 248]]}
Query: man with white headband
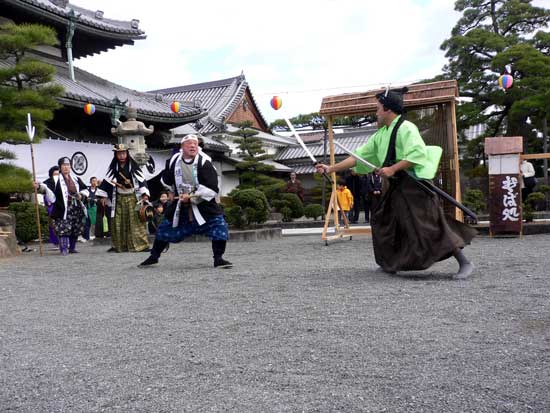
{"points": [[195, 210]]}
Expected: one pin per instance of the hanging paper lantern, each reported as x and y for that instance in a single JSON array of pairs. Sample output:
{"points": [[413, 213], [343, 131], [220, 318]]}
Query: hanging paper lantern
{"points": [[89, 109], [175, 106], [505, 81], [276, 102]]}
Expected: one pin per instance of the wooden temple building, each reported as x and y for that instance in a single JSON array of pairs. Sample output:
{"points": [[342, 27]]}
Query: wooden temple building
{"points": [[207, 108], [82, 33]]}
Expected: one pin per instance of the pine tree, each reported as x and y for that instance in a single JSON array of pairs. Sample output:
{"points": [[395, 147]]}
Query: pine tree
{"points": [[253, 173], [491, 38], [25, 87]]}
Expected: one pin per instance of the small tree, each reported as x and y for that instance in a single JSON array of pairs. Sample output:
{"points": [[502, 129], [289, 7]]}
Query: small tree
{"points": [[25, 87], [252, 171]]}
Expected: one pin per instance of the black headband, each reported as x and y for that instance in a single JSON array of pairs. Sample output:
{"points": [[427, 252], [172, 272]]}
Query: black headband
{"points": [[392, 99]]}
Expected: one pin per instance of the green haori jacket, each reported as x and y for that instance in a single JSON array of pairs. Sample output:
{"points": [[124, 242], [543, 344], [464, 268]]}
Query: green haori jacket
{"points": [[409, 146]]}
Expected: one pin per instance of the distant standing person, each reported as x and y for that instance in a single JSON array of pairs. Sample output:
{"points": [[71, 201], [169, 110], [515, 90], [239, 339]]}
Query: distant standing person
{"points": [[529, 181], [91, 205], [53, 174], [125, 185], [374, 193], [353, 183], [66, 194], [345, 199], [294, 186]]}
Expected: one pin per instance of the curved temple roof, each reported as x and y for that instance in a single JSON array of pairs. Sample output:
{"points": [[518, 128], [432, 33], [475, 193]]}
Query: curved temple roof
{"points": [[219, 98], [94, 32], [101, 92]]}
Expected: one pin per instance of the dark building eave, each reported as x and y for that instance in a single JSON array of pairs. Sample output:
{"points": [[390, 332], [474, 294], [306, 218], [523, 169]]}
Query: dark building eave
{"points": [[93, 38], [173, 120]]}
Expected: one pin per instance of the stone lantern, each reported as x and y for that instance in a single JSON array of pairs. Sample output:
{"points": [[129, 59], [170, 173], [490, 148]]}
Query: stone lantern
{"points": [[132, 133]]}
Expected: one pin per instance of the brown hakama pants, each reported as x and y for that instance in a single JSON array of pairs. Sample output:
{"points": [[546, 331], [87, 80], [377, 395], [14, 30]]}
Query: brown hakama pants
{"points": [[410, 230]]}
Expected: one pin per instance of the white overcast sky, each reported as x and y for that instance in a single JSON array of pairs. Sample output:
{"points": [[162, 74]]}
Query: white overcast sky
{"points": [[299, 50]]}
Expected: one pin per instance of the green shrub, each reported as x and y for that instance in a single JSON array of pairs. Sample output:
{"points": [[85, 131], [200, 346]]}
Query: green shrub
{"points": [[25, 220], [14, 179], [250, 207], [291, 201], [314, 211], [544, 188], [477, 172], [528, 212], [235, 217], [286, 212], [475, 200]]}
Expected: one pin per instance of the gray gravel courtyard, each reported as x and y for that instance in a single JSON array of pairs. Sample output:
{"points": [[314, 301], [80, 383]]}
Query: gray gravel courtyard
{"points": [[294, 326]]}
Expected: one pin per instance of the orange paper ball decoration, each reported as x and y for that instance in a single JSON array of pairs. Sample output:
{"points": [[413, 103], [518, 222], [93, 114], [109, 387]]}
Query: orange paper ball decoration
{"points": [[89, 109], [276, 102], [175, 106]]}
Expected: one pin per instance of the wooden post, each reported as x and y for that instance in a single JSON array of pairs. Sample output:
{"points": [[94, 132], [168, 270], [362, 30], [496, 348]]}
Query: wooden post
{"points": [[30, 132]]}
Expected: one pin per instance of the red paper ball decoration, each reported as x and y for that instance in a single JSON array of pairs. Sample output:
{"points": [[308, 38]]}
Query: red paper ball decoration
{"points": [[89, 109], [276, 102], [175, 106]]}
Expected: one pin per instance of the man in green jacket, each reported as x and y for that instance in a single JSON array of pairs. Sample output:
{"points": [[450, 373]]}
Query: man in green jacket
{"points": [[409, 229]]}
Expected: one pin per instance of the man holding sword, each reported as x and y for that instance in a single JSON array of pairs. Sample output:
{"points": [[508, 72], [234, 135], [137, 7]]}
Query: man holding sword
{"points": [[194, 210], [409, 228]]}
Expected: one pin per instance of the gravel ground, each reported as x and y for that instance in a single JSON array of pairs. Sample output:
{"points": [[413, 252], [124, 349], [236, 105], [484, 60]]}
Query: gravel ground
{"points": [[294, 326]]}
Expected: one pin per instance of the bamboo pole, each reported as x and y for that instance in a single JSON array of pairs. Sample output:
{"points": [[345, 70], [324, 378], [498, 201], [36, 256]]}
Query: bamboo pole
{"points": [[30, 132]]}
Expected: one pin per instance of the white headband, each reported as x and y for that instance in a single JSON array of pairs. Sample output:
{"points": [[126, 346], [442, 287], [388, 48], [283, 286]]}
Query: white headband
{"points": [[189, 137]]}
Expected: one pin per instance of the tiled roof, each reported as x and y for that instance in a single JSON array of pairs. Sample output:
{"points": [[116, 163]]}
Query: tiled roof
{"points": [[93, 32], [296, 152], [87, 17], [219, 98], [100, 92], [301, 169], [209, 143]]}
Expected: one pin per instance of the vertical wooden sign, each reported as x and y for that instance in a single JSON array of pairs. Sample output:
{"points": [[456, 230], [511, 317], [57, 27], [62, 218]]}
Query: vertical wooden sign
{"points": [[505, 204], [504, 185]]}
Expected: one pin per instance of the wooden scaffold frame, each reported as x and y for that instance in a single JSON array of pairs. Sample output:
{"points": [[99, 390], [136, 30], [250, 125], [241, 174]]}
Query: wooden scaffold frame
{"points": [[440, 96]]}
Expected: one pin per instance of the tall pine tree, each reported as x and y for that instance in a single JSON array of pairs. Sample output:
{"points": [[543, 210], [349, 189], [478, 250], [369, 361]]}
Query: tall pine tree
{"points": [[491, 37], [25, 87]]}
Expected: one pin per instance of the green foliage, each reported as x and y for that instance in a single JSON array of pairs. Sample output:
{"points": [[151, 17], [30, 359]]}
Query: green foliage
{"points": [[544, 189], [25, 220], [235, 216], [14, 179], [488, 37], [315, 121], [252, 171], [250, 207], [286, 212], [270, 186], [314, 211], [25, 87], [475, 200], [290, 201], [528, 212], [535, 197], [478, 172], [316, 192]]}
